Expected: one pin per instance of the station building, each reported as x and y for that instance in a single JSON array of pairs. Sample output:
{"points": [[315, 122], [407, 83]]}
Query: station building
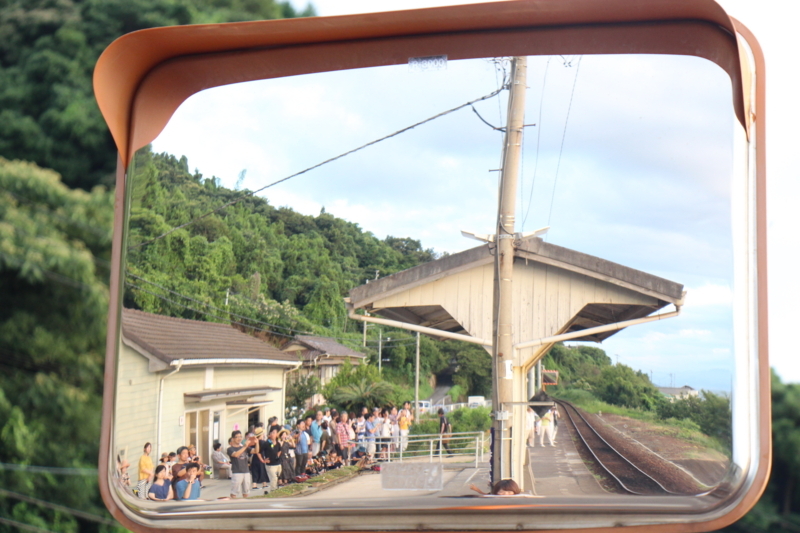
{"points": [[183, 382]]}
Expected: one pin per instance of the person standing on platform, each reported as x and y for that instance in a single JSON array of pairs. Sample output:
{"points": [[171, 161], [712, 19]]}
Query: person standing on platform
{"points": [[240, 473], [531, 419], [301, 449], [444, 432], [271, 453], [258, 471], [316, 434], [146, 472], [547, 428], [287, 456], [556, 416]]}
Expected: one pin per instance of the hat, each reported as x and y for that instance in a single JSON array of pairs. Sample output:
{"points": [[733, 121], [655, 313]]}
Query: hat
{"points": [[283, 432], [259, 431]]}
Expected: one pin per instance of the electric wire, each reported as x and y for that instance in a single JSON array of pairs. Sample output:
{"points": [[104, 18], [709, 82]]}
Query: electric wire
{"points": [[49, 469], [563, 136], [248, 194], [538, 139], [23, 527], [260, 322], [223, 319], [57, 507]]}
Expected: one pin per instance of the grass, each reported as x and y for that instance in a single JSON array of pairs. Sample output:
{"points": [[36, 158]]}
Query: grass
{"points": [[683, 429], [315, 482]]}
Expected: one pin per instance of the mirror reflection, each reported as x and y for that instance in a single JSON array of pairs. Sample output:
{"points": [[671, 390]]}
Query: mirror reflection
{"points": [[305, 323]]}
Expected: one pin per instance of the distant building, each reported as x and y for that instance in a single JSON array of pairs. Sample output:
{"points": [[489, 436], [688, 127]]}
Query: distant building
{"points": [[677, 393], [183, 382], [322, 357]]}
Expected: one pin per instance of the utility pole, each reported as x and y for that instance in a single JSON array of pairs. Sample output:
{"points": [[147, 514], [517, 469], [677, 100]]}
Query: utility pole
{"points": [[416, 385], [380, 351], [502, 349]]}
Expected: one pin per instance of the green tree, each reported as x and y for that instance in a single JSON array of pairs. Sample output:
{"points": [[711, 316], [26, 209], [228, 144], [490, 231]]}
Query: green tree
{"points": [[778, 510], [362, 393], [300, 390], [621, 385], [48, 50], [473, 367], [52, 338]]}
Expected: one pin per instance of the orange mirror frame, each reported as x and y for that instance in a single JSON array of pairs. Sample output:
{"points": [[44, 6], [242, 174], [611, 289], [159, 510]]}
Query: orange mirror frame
{"points": [[142, 78]]}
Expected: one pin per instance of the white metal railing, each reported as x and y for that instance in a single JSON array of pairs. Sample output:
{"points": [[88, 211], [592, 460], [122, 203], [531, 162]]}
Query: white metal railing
{"points": [[448, 407], [403, 448]]}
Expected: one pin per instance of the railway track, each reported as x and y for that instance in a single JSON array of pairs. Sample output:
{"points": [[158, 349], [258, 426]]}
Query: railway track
{"points": [[628, 476]]}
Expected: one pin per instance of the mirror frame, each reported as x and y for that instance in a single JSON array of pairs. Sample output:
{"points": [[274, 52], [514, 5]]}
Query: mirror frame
{"points": [[143, 77]]}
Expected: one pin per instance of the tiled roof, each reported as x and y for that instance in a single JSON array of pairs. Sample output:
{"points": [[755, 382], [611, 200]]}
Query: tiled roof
{"points": [[320, 346], [171, 339]]}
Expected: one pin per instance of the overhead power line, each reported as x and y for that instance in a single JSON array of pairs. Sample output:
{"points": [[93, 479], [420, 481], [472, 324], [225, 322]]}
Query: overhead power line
{"points": [[260, 322], [57, 507], [563, 136], [49, 469], [248, 194], [23, 527], [538, 139]]}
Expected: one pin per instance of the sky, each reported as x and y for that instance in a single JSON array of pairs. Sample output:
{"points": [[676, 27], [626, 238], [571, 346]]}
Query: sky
{"points": [[629, 161]]}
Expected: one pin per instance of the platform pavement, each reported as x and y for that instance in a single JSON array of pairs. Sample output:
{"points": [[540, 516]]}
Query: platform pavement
{"points": [[559, 470], [457, 478]]}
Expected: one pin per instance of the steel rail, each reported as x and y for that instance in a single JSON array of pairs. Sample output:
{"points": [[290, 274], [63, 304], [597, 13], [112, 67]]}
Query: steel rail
{"points": [[567, 407]]}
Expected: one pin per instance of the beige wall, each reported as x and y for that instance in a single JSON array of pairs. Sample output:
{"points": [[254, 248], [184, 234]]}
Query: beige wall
{"points": [[545, 299], [135, 409], [137, 402]]}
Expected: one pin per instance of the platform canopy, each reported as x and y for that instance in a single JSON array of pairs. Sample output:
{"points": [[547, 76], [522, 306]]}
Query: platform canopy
{"points": [[556, 290]]}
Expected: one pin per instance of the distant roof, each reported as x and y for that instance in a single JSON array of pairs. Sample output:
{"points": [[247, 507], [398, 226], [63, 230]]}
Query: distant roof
{"points": [[171, 339], [675, 391], [320, 346]]}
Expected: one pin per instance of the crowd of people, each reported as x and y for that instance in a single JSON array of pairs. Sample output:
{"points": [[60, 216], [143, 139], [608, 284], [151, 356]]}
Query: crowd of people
{"points": [[270, 455]]}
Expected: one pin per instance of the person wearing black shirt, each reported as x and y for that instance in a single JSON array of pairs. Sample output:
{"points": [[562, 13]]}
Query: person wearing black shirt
{"points": [[271, 453]]}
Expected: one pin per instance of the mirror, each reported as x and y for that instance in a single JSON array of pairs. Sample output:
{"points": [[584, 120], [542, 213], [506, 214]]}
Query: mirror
{"points": [[294, 245]]}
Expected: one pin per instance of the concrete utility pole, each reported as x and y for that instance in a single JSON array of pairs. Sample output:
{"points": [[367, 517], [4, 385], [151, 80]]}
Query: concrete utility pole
{"points": [[380, 349], [416, 385], [502, 349]]}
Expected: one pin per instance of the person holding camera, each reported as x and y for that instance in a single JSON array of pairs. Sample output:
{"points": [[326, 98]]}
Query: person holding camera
{"points": [[240, 473]]}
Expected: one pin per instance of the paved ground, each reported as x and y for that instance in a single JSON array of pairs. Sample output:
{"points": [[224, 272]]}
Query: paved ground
{"points": [[559, 470], [456, 479]]}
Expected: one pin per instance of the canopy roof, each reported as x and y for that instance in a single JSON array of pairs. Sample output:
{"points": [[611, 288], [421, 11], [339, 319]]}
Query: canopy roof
{"points": [[653, 292]]}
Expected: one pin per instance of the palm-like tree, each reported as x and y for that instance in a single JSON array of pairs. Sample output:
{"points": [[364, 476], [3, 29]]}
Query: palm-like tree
{"points": [[362, 393]]}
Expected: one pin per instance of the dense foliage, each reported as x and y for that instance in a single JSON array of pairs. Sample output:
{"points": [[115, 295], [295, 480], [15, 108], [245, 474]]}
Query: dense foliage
{"points": [[711, 412], [48, 49], [52, 339], [274, 261]]}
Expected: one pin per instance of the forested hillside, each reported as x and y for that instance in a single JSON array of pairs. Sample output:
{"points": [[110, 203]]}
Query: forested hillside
{"points": [[48, 49], [267, 262], [273, 272]]}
